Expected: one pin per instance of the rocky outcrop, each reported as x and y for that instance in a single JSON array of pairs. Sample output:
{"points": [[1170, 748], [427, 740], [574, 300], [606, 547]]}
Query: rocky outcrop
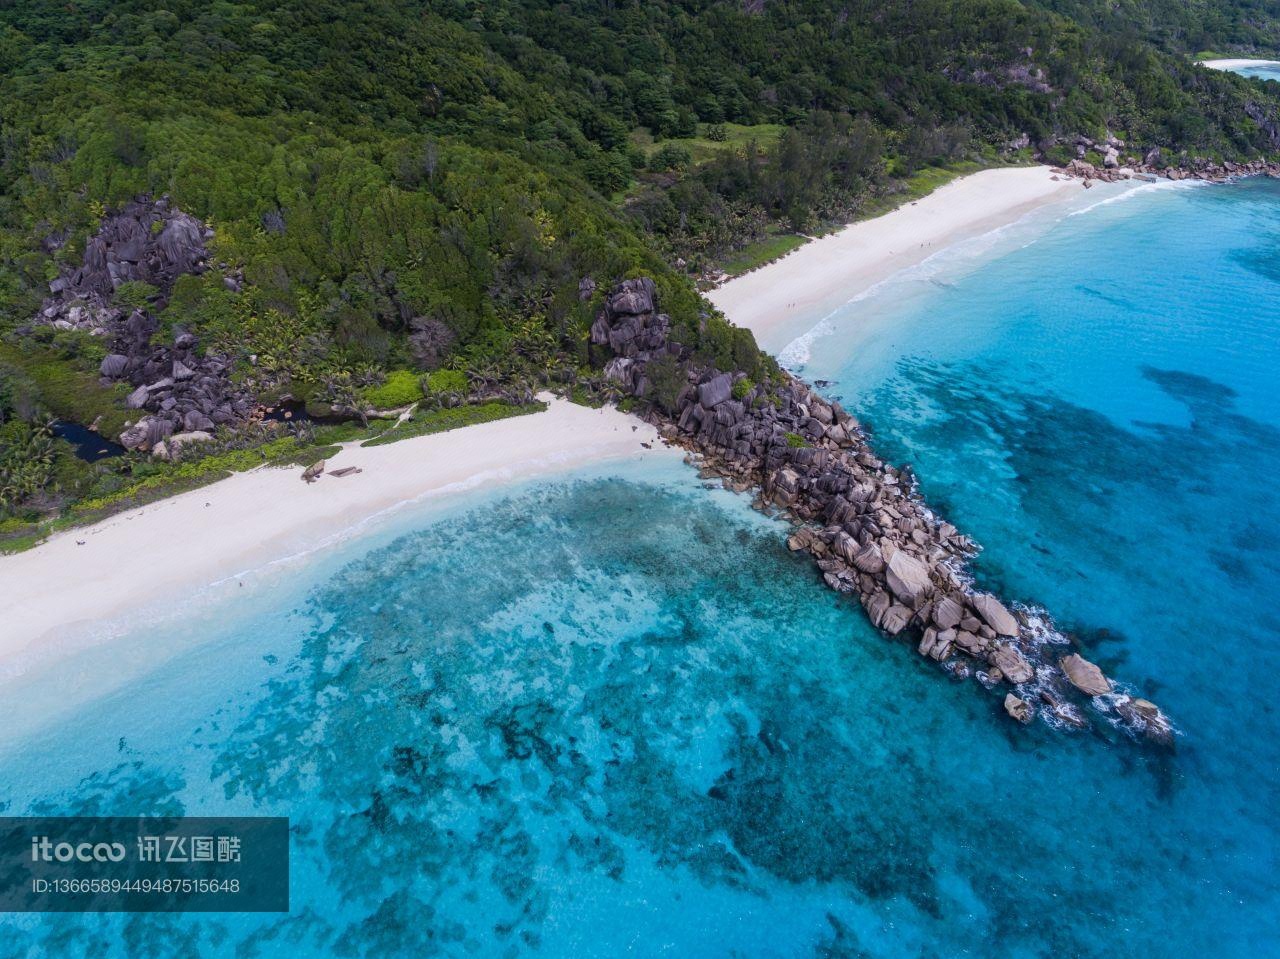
{"points": [[148, 241], [869, 531], [151, 242], [1017, 708], [1146, 716], [1085, 676], [145, 433], [907, 577], [1121, 161], [1117, 167], [1012, 664], [995, 615], [171, 448]]}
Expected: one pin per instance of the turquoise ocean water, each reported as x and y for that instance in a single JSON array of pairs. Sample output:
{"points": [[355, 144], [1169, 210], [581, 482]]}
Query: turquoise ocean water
{"points": [[1262, 70], [610, 715]]}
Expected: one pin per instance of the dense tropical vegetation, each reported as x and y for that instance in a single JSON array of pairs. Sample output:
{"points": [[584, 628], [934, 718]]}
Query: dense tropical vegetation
{"points": [[413, 190], [1184, 26]]}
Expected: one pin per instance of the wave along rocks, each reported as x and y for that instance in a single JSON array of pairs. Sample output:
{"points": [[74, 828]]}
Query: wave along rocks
{"points": [[862, 519]]}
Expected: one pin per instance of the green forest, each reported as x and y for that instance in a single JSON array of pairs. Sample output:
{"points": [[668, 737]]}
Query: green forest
{"points": [[405, 196]]}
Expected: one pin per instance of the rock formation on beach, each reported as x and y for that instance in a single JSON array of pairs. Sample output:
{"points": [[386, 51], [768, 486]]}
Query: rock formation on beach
{"points": [[1150, 165], [177, 391], [863, 521]]}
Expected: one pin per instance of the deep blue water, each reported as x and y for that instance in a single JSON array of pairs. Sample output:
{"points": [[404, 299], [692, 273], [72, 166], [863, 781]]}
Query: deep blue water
{"points": [[611, 715]]}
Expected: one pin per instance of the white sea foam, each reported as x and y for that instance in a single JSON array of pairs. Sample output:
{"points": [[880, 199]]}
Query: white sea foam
{"points": [[1140, 188], [799, 351]]}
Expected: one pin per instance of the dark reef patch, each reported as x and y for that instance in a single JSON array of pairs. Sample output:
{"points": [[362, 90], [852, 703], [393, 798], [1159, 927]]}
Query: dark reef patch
{"points": [[1076, 470]]}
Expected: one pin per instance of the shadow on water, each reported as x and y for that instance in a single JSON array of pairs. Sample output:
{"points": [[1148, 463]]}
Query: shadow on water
{"points": [[1115, 301], [1066, 467]]}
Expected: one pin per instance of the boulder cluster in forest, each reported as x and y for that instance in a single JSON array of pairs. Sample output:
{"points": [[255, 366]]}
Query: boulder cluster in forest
{"points": [[180, 394], [861, 519]]}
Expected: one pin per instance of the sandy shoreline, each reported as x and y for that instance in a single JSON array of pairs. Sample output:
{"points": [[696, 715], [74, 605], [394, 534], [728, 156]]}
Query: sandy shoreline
{"points": [[821, 275], [155, 556], [1231, 64], [168, 549]]}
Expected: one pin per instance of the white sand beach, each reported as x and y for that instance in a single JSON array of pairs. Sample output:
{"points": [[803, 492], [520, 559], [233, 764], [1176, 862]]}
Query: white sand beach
{"points": [[1229, 64], [826, 272], [165, 551], [160, 554]]}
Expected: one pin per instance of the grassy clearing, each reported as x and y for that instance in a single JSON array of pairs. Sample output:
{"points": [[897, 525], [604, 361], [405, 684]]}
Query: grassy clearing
{"points": [[757, 254], [17, 535], [69, 393], [18, 539], [20, 542], [918, 185], [737, 137], [175, 477], [441, 421], [352, 432]]}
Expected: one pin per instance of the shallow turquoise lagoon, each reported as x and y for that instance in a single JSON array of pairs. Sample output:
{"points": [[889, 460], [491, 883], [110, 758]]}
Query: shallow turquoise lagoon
{"points": [[610, 715], [1262, 70]]}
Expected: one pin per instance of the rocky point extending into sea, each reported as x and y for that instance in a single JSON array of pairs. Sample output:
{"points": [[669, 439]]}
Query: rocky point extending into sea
{"points": [[1151, 164], [862, 520]]}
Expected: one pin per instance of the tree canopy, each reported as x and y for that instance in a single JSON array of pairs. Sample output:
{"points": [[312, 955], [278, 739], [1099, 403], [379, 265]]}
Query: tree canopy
{"points": [[417, 184]]}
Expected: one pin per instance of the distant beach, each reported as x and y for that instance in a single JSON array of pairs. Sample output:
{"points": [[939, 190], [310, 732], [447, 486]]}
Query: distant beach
{"points": [[772, 300], [1238, 64], [1257, 69], [165, 551]]}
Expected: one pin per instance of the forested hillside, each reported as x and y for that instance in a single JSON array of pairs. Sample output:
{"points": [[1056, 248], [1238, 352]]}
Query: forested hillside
{"points": [[397, 188], [1184, 26]]}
